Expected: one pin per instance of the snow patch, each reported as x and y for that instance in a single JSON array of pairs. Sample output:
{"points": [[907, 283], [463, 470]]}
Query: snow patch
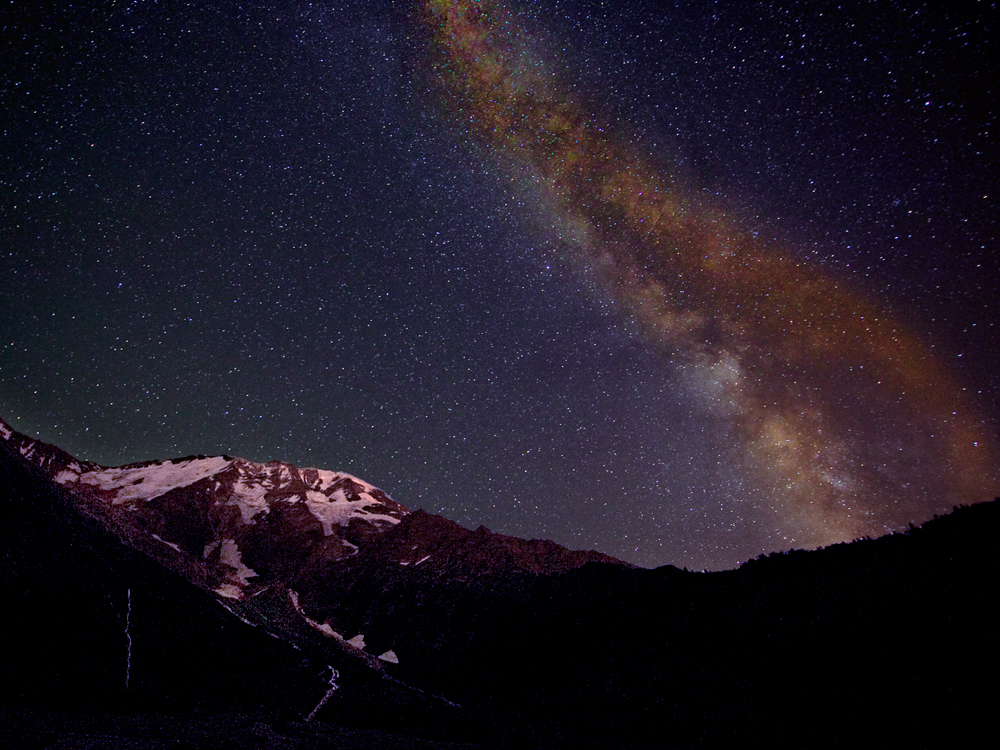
{"points": [[337, 510], [67, 476], [169, 544], [144, 482], [326, 629], [249, 498], [5, 431], [229, 591], [326, 480], [230, 556], [323, 627]]}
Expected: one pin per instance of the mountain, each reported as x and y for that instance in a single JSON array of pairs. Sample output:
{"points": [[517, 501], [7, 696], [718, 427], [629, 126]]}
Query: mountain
{"points": [[114, 579], [285, 544]]}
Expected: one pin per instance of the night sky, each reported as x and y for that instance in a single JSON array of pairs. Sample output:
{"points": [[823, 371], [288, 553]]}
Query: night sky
{"points": [[681, 282]]}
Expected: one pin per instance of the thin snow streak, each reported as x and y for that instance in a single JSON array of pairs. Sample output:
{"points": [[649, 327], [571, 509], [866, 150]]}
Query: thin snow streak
{"points": [[128, 638]]}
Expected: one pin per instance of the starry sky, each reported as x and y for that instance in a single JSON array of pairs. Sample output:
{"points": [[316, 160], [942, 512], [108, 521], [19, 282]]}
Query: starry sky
{"points": [[683, 282]]}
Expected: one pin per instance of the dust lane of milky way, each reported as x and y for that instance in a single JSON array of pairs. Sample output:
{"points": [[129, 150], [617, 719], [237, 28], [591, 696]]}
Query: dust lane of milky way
{"points": [[848, 422]]}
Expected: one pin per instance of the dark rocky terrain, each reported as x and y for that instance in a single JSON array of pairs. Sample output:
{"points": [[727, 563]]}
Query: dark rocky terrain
{"points": [[116, 637]]}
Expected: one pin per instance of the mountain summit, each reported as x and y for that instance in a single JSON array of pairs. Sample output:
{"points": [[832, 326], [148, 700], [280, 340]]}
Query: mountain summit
{"points": [[267, 538]]}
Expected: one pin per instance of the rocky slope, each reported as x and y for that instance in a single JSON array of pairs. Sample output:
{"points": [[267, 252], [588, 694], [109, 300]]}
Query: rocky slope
{"points": [[287, 546]]}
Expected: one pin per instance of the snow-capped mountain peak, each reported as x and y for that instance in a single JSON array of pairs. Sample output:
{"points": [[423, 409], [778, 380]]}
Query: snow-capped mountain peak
{"points": [[254, 534], [334, 498], [241, 523]]}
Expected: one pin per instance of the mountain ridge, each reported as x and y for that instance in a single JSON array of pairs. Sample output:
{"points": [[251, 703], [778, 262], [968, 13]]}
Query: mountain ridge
{"points": [[894, 637], [299, 537]]}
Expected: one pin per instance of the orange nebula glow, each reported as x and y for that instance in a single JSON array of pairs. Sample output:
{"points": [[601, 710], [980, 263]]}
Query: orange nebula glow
{"points": [[851, 426]]}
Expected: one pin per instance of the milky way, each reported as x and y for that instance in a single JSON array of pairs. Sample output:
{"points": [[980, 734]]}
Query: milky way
{"points": [[683, 283], [849, 423]]}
